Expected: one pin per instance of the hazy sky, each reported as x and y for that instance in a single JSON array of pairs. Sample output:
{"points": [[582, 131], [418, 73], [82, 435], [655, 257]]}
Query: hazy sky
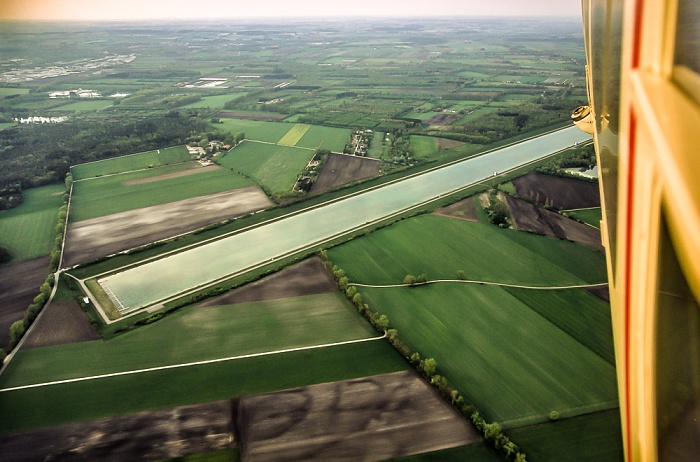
{"points": [[213, 9]]}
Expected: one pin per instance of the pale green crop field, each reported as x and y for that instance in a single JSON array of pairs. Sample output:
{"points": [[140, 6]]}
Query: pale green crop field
{"points": [[128, 163]]}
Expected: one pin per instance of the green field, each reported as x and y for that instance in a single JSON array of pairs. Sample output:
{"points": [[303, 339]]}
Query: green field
{"points": [[57, 404], [131, 162], [441, 247], [292, 137], [94, 105], [217, 101], [198, 335], [273, 167], [423, 146], [4, 125], [333, 139], [103, 196], [9, 91], [515, 354], [587, 318], [592, 217], [590, 438], [28, 230], [510, 362], [270, 132]]}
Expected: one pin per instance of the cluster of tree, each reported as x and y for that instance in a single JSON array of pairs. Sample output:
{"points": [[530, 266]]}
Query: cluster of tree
{"points": [[583, 157], [494, 434], [10, 196], [35, 155], [502, 124], [426, 366], [411, 280], [498, 212]]}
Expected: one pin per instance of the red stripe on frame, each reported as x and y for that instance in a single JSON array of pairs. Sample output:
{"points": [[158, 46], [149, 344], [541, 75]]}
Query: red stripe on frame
{"points": [[628, 277]]}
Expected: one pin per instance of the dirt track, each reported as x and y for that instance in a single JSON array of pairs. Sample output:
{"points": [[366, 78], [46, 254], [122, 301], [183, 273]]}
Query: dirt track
{"points": [[342, 169], [373, 418], [557, 192], [19, 284], [62, 323], [307, 278], [528, 216], [154, 435], [101, 236]]}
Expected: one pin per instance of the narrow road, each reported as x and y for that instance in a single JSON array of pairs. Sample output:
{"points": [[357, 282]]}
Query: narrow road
{"points": [[482, 283], [194, 363]]}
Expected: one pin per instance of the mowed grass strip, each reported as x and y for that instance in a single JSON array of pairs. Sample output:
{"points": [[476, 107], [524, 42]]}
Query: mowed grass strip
{"points": [[292, 137], [104, 196], [29, 230], [333, 139], [30, 408], [273, 167], [131, 162], [590, 438], [440, 247], [505, 358], [198, 335]]}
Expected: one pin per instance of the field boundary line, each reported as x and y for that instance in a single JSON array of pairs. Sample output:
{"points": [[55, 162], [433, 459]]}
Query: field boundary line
{"points": [[482, 283], [193, 363]]}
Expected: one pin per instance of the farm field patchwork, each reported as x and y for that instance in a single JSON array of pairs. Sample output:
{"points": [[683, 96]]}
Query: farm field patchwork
{"points": [[131, 162], [580, 314], [512, 363], [270, 132], [217, 101], [119, 193], [373, 418], [292, 137], [30, 408], [97, 237], [330, 138], [589, 438], [197, 335], [29, 229], [85, 106], [483, 252], [274, 168]]}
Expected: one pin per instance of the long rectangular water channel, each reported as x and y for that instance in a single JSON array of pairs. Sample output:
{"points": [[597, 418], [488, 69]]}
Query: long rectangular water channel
{"points": [[161, 279]]}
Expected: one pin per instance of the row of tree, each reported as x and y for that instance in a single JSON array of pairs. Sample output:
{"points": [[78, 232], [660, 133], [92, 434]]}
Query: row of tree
{"points": [[426, 366], [18, 328]]}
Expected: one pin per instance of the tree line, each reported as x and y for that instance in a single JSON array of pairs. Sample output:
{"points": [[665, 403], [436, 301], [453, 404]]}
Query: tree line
{"points": [[36, 155], [427, 367]]}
